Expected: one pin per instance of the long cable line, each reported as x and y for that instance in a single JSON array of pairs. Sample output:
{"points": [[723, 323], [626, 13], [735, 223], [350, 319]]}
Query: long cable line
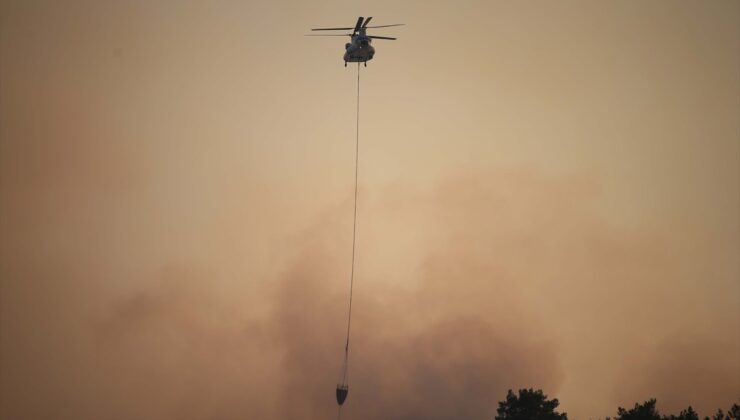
{"points": [[354, 219], [345, 369]]}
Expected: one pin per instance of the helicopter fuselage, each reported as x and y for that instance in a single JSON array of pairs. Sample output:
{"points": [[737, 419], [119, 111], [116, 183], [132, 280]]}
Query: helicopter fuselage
{"points": [[359, 50]]}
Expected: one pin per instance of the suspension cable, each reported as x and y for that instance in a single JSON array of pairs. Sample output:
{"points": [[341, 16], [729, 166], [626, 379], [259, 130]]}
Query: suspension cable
{"points": [[354, 224], [345, 370]]}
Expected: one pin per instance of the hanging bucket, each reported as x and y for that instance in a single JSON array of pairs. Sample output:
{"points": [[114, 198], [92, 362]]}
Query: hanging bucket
{"points": [[342, 391]]}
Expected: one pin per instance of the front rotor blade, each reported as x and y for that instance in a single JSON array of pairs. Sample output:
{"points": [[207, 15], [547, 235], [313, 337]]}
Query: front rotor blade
{"points": [[381, 37], [387, 26], [332, 29], [357, 25], [364, 25]]}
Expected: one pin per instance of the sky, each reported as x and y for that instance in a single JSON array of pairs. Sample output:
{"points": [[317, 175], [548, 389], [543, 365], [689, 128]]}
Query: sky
{"points": [[548, 198]]}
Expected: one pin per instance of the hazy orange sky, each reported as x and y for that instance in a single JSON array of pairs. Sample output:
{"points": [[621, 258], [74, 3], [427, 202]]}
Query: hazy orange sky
{"points": [[549, 198]]}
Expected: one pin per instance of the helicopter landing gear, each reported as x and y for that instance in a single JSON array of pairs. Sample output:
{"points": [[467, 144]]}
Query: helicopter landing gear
{"points": [[365, 63], [345, 64]]}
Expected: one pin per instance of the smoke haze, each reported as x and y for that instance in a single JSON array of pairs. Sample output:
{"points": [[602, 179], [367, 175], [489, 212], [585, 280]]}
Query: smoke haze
{"points": [[549, 200]]}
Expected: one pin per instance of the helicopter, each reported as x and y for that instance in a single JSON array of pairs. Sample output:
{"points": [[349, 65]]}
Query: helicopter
{"points": [[359, 49]]}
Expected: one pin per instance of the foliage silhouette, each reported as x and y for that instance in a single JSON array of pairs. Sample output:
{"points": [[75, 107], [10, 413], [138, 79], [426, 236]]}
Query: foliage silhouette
{"points": [[647, 411], [532, 404], [688, 414], [733, 414], [529, 405], [644, 411]]}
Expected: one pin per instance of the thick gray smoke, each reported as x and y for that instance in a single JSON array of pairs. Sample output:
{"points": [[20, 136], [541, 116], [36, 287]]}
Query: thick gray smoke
{"points": [[461, 294]]}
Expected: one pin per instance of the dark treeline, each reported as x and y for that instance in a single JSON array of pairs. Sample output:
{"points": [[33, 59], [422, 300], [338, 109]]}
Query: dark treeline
{"points": [[534, 405]]}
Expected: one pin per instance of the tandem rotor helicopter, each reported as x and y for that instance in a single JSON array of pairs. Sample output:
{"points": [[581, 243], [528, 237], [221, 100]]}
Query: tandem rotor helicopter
{"points": [[359, 49]]}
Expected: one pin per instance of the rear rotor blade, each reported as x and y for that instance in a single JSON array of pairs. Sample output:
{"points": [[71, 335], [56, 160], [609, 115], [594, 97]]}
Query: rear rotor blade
{"points": [[364, 25], [357, 25], [328, 35], [381, 37]]}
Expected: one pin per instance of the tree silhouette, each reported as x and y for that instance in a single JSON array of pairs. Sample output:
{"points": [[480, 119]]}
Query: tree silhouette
{"points": [[644, 411], [529, 405], [733, 414], [647, 411], [534, 405], [719, 415], [688, 414]]}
